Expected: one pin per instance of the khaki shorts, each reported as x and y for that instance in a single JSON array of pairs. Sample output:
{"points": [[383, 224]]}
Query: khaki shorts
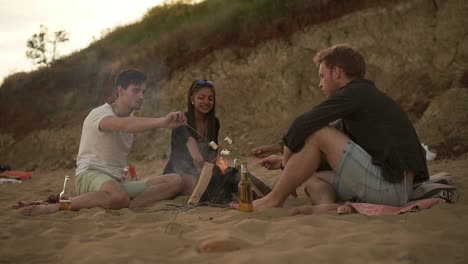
{"points": [[91, 180], [357, 178]]}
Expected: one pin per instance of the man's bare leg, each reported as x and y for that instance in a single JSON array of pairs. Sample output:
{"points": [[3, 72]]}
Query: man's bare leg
{"points": [[320, 189], [302, 165], [322, 195], [160, 188], [110, 196]]}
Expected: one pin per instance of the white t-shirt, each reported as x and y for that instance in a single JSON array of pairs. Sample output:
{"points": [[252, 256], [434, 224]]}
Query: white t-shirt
{"points": [[104, 150]]}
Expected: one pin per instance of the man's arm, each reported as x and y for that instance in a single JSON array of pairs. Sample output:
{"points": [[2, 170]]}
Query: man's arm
{"points": [[336, 107], [286, 155], [139, 124], [265, 151], [272, 162]]}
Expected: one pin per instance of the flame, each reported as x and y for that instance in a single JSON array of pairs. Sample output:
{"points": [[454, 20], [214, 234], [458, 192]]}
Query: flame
{"points": [[222, 164]]}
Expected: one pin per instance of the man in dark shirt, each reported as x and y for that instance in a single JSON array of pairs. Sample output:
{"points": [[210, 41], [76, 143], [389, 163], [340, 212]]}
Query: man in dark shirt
{"points": [[374, 156]]}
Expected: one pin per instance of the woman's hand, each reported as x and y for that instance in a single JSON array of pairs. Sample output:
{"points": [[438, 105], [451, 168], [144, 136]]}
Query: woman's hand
{"points": [[272, 162]]}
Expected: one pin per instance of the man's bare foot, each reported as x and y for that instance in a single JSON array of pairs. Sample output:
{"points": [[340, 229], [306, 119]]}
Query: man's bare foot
{"points": [[42, 209], [346, 208], [260, 204], [266, 202], [234, 205], [313, 209]]}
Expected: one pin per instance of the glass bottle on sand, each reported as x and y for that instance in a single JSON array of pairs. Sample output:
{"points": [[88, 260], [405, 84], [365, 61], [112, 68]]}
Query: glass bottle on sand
{"points": [[66, 195], [245, 191]]}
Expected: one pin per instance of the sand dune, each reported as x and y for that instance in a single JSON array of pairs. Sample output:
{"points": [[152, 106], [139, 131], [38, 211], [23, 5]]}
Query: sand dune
{"points": [[165, 233]]}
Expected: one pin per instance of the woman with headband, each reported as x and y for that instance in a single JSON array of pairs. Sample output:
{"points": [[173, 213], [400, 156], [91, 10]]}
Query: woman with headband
{"points": [[190, 149]]}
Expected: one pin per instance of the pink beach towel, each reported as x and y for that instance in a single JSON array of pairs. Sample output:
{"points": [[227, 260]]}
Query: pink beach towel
{"points": [[378, 209]]}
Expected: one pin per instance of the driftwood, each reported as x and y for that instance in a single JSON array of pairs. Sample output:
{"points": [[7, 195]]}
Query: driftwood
{"points": [[202, 183], [255, 188]]}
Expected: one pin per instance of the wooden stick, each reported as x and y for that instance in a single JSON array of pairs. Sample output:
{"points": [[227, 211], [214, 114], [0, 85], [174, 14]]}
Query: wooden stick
{"points": [[202, 183], [197, 132], [255, 189]]}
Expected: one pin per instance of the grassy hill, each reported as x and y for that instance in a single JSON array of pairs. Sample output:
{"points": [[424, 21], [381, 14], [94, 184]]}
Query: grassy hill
{"points": [[168, 38]]}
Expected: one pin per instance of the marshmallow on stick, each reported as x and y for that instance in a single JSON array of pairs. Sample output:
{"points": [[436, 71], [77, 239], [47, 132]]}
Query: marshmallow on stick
{"points": [[225, 152], [213, 145], [228, 140]]}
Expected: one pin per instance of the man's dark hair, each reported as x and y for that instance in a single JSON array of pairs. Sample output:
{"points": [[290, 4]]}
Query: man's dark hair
{"points": [[129, 76], [344, 56]]}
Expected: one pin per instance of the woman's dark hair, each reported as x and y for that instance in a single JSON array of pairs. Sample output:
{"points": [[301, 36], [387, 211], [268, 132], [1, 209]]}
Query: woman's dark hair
{"points": [[211, 115]]}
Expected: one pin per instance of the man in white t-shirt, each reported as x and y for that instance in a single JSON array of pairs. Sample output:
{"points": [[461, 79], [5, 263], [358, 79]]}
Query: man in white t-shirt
{"points": [[106, 141]]}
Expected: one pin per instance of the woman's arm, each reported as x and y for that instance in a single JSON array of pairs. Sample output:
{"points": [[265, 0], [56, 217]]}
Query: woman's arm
{"points": [[194, 151]]}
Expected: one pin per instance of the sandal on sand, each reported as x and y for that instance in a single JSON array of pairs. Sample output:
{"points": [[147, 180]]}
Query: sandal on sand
{"points": [[51, 199]]}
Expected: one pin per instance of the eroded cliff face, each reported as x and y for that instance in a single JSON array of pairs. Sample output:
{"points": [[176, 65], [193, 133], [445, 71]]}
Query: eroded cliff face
{"points": [[415, 51]]}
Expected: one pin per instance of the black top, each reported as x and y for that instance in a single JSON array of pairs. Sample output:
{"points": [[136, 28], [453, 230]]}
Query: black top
{"points": [[373, 121], [181, 161]]}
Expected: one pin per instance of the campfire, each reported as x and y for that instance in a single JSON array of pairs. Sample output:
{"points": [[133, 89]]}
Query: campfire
{"points": [[222, 164], [218, 181]]}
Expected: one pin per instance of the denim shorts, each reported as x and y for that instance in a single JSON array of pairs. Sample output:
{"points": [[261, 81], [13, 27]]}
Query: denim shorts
{"points": [[359, 180], [91, 180]]}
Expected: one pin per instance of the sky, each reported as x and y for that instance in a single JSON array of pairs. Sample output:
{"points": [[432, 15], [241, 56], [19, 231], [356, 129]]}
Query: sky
{"points": [[82, 19]]}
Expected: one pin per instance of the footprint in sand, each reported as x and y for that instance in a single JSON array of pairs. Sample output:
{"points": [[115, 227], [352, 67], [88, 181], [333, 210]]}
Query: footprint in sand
{"points": [[221, 245], [173, 228], [253, 226], [105, 235]]}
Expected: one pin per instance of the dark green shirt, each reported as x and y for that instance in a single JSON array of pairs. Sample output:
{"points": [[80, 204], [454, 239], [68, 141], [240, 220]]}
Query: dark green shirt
{"points": [[373, 121]]}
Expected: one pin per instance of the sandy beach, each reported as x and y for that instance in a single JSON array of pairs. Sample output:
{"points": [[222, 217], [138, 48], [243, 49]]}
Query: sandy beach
{"points": [[166, 233]]}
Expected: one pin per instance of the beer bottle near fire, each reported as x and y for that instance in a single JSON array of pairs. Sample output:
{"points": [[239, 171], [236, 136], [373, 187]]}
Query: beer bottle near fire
{"points": [[245, 191], [66, 195]]}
